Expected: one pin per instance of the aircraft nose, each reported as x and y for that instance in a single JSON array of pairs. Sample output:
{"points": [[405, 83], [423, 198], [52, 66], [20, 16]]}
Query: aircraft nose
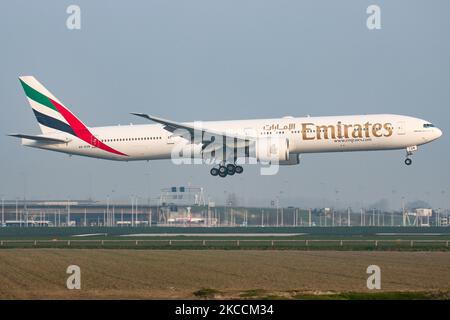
{"points": [[438, 133]]}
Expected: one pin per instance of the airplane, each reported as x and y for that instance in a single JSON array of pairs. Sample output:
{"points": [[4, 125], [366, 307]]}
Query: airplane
{"points": [[229, 143]]}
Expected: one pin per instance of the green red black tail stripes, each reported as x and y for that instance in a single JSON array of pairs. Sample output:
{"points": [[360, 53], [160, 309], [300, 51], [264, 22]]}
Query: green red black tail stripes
{"points": [[53, 116]]}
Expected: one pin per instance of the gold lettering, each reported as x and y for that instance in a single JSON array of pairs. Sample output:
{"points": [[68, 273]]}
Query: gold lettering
{"points": [[366, 128], [325, 132], [304, 131], [388, 127], [344, 130], [357, 133], [346, 127], [339, 130], [375, 130]]}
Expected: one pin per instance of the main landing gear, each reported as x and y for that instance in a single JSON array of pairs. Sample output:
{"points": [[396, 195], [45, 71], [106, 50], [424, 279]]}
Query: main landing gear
{"points": [[226, 170], [409, 152]]}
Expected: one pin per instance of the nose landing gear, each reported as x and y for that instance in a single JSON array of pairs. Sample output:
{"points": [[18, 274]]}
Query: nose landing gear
{"points": [[409, 152]]}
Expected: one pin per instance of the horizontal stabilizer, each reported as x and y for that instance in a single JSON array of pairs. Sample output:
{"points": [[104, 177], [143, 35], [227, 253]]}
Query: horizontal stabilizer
{"points": [[39, 138]]}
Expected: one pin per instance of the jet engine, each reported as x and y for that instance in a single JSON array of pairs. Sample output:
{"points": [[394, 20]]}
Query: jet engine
{"points": [[270, 150]]}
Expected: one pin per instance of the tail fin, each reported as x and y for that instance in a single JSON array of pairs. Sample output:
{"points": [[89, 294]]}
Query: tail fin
{"points": [[49, 111], [53, 116]]}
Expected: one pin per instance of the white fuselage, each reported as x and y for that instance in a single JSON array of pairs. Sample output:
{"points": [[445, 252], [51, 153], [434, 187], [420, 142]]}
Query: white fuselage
{"points": [[305, 135]]}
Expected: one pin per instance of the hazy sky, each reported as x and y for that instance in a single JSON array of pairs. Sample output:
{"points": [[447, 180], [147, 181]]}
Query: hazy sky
{"points": [[210, 60]]}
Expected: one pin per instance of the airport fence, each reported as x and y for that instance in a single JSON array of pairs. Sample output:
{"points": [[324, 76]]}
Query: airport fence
{"points": [[232, 244]]}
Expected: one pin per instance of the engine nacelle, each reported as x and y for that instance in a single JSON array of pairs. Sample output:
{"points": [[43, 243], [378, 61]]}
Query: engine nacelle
{"points": [[269, 150], [294, 158]]}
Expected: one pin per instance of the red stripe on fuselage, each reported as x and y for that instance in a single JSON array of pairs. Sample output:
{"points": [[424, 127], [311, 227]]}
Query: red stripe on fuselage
{"points": [[81, 131]]}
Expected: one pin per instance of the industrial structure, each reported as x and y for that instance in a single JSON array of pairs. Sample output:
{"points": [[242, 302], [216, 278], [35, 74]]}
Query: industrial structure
{"points": [[96, 213]]}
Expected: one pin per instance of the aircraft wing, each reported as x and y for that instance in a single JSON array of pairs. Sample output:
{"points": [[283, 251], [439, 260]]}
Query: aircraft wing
{"points": [[217, 138], [38, 138]]}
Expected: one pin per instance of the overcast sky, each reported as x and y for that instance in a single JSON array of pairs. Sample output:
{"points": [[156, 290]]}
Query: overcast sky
{"points": [[213, 60]]}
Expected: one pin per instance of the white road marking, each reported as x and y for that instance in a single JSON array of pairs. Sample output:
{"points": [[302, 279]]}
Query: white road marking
{"points": [[90, 235], [214, 234]]}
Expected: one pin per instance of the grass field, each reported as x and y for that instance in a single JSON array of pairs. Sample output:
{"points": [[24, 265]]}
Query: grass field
{"points": [[194, 274], [310, 232]]}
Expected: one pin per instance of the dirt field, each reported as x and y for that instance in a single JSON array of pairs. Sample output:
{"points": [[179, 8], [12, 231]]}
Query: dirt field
{"points": [[151, 274]]}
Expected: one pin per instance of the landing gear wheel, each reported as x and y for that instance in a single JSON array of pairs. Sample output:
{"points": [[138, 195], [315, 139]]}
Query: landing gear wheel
{"points": [[231, 169], [223, 171], [222, 174], [409, 152], [214, 172], [239, 169], [231, 166]]}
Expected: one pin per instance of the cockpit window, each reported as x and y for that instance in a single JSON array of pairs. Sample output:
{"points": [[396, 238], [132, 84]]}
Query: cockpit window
{"points": [[428, 125]]}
